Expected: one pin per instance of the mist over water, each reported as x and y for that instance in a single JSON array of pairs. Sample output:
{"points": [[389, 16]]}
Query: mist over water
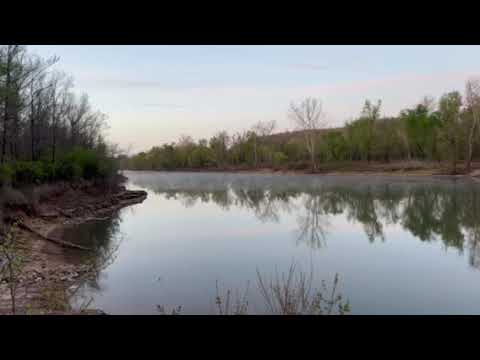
{"points": [[400, 245]]}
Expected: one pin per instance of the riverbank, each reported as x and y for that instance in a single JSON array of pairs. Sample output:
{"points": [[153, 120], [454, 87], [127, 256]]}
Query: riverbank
{"points": [[52, 267], [403, 168]]}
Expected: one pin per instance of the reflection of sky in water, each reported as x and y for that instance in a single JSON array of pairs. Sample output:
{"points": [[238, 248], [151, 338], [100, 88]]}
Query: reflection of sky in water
{"points": [[176, 245]]}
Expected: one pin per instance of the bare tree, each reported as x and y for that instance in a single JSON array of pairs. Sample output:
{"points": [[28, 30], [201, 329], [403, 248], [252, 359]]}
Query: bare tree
{"points": [[76, 113], [19, 71], [308, 116], [472, 102], [59, 96]]}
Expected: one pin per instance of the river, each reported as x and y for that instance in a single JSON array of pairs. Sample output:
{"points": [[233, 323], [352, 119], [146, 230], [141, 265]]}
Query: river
{"points": [[400, 245]]}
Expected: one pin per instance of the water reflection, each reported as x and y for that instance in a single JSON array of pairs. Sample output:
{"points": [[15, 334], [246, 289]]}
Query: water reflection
{"points": [[104, 237], [180, 234], [428, 209]]}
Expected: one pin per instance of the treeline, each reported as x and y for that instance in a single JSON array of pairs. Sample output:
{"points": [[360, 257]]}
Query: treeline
{"points": [[443, 130], [47, 131]]}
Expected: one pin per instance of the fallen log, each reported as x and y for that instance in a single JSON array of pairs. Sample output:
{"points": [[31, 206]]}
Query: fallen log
{"points": [[131, 194], [62, 243]]}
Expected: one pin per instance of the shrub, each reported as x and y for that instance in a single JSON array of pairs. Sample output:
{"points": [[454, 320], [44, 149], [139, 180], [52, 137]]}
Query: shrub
{"points": [[87, 164], [77, 164], [6, 174], [279, 158], [107, 168], [48, 171], [68, 170], [26, 172]]}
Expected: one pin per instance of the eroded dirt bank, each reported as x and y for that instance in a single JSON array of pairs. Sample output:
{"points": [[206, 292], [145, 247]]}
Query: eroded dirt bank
{"points": [[53, 269]]}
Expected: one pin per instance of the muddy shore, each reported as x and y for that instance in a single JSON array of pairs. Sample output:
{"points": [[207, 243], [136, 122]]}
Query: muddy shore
{"points": [[53, 268]]}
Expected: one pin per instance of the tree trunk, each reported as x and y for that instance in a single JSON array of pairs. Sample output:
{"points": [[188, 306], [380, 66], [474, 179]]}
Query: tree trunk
{"points": [[32, 135], [14, 138], [454, 160], [6, 105], [468, 155], [255, 152], [54, 142], [312, 154], [54, 130]]}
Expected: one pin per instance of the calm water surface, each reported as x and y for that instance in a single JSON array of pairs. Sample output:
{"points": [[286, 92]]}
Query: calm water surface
{"points": [[399, 245]]}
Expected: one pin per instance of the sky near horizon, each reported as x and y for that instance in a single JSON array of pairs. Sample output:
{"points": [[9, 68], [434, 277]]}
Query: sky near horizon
{"points": [[154, 94]]}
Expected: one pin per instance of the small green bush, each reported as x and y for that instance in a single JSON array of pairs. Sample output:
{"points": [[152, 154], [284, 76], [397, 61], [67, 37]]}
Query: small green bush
{"points": [[68, 170], [279, 158], [6, 174], [77, 164], [28, 172], [107, 168], [87, 164], [49, 172]]}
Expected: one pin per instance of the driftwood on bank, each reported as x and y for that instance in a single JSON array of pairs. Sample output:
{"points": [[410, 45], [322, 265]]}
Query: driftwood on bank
{"points": [[62, 243]]}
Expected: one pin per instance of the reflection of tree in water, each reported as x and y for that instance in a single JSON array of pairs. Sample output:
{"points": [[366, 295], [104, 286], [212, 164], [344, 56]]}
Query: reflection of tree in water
{"points": [[388, 204], [444, 210], [222, 198], [470, 218], [266, 204], [188, 198], [363, 208], [474, 247], [312, 222], [105, 238]]}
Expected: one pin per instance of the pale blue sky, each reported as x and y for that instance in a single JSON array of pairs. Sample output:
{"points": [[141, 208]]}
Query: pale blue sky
{"points": [[153, 94]]}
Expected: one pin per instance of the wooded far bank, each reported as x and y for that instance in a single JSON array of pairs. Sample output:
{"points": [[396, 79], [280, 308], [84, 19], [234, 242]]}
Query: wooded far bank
{"points": [[443, 132]]}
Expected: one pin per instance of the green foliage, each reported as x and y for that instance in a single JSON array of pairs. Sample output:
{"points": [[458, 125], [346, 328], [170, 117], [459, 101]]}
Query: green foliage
{"points": [[6, 174], [67, 169], [29, 172], [49, 171], [85, 160], [279, 158], [86, 164], [388, 143], [335, 146], [358, 139], [421, 127], [107, 167], [75, 165], [202, 156], [295, 150]]}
